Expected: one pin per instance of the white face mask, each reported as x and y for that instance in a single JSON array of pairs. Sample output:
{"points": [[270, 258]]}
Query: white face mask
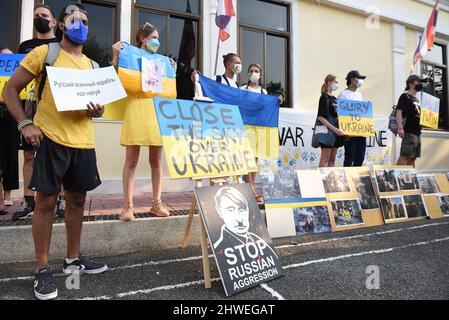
{"points": [[237, 68], [360, 83], [254, 77], [334, 86]]}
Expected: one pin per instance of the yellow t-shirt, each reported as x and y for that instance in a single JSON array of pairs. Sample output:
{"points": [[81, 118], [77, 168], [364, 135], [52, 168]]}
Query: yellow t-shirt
{"points": [[72, 129]]}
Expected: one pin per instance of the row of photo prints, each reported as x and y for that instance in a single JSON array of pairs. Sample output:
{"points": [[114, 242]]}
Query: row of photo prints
{"points": [[387, 180], [284, 184], [394, 180], [348, 212]]}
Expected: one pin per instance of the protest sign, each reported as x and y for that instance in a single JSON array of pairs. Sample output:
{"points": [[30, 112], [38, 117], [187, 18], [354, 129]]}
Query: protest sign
{"points": [[355, 118], [430, 111], [203, 140], [236, 230], [73, 89], [9, 63], [296, 151]]}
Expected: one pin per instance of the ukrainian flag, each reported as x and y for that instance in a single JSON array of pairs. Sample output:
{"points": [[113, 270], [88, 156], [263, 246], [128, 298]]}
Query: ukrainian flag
{"points": [[130, 74], [260, 115]]}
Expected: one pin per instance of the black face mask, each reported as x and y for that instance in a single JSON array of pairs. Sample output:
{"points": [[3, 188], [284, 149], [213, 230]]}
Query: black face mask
{"points": [[418, 87], [41, 25]]}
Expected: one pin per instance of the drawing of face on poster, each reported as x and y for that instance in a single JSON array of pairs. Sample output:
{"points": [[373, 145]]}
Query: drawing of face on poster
{"points": [[233, 209], [152, 75], [239, 236]]}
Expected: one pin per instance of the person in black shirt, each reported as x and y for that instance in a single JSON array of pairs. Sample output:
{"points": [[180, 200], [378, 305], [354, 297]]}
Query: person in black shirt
{"points": [[408, 108], [328, 108], [44, 24]]}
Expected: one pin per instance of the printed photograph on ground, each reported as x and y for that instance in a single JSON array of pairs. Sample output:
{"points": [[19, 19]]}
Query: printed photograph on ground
{"points": [[393, 208], [311, 220], [415, 206], [428, 184], [365, 190], [386, 180], [347, 212], [335, 180], [280, 184], [444, 204], [407, 179]]}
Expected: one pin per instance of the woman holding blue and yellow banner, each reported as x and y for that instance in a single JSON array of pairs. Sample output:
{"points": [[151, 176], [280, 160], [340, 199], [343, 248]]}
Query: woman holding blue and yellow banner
{"points": [[144, 74]]}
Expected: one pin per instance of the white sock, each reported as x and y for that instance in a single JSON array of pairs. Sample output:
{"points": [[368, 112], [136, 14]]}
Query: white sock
{"points": [[69, 261]]}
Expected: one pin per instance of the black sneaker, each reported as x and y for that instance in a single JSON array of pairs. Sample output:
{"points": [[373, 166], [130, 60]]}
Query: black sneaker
{"points": [[23, 212], [60, 208], [44, 286], [83, 265]]}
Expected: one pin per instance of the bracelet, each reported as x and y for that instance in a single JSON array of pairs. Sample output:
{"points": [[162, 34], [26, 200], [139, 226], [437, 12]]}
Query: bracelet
{"points": [[22, 124]]}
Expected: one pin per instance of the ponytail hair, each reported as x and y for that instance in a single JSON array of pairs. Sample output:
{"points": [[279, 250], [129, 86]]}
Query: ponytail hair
{"points": [[228, 57], [329, 78]]}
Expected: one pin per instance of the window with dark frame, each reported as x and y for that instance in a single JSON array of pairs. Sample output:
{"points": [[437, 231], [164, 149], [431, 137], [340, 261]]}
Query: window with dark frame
{"points": [[178, 23], [434, 67], [10, 16], [103, 26], [264, 29]]}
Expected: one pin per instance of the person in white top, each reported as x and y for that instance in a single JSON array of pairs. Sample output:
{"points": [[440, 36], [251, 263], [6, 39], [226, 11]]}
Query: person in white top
{"points": [[233, 67], [355, 147], [255, 85]]}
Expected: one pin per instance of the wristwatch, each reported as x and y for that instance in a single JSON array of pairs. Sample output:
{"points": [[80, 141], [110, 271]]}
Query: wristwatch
{"points": [[22, 124]]}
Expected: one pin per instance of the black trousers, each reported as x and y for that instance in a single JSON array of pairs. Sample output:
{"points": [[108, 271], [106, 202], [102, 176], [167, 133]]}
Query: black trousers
{"points": [[9, 150], [355, 152]]}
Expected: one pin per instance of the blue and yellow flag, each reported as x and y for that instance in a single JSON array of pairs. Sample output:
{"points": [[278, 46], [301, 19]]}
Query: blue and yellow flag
{"points": [[260, 115], [130, 74]]}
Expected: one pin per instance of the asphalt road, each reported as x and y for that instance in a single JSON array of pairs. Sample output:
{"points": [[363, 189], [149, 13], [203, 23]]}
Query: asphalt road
{"points": [[412, 260]]}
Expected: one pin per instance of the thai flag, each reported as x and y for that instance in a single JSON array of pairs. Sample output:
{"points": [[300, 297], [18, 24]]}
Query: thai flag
{"points": [[428, 38], [225, 10]]}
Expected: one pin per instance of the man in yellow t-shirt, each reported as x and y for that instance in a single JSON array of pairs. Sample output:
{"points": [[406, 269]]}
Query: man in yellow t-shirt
{"points": [[65, 154]]}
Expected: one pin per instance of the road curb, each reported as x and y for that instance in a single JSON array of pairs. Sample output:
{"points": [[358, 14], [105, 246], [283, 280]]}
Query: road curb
{"points": [[101, 238]]}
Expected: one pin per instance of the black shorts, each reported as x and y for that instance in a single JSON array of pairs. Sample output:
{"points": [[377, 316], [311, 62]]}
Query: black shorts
{"points": [[55, 165]]}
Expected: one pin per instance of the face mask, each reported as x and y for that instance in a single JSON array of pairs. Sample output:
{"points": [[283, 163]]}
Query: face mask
{"points": [[237, 68], [360, 83], [77, 32], [153, 45], [334, 86], [41, 25], [254, 77], [418, 87]]}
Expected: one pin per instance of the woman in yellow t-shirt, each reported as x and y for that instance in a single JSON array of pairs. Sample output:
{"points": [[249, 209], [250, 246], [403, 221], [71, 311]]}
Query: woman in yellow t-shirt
{"points": [[140, 128]]}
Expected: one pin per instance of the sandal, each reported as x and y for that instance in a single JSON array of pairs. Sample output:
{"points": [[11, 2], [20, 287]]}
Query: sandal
{"points": [[159, 209], [127, 213]]}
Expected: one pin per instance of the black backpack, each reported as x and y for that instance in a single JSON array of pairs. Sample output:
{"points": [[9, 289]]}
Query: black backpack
{"points": [[392, 124]]}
